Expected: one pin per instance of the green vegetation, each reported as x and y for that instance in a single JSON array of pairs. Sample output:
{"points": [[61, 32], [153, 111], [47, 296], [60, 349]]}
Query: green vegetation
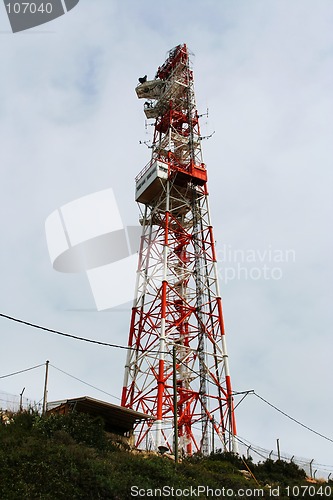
{"points": [[70, 457]]}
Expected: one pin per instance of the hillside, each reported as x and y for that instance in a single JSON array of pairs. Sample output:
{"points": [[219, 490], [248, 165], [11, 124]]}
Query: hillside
{"points": [[70, 458]]}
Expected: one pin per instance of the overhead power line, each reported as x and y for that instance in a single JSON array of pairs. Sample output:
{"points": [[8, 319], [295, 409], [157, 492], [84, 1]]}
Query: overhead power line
{"points": [[83, 382], [64, 334], [272, 406], [22, 371], [292, 418], [116, 346], [77, 337]]}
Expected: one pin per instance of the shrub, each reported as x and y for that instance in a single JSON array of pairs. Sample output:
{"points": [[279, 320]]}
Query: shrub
{"points": [[279, 471], [79, 426]]}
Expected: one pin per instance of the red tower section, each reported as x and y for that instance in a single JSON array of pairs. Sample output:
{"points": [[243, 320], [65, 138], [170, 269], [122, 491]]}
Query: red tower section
{"points": [[177, 362]]}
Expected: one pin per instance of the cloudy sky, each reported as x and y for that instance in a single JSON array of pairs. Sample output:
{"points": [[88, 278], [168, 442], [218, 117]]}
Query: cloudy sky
{"points": [[70, 125]]}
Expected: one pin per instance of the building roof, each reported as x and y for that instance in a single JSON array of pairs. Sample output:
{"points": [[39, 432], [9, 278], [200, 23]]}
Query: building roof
{"points": [[117, 418]]}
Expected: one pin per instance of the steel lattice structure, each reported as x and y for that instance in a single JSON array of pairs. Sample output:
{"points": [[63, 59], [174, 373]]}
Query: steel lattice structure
{"points": [[177, 338]]}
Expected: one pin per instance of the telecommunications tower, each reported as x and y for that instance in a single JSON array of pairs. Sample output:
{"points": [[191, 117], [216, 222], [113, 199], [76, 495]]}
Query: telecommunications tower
{"points": [[177, 362]]}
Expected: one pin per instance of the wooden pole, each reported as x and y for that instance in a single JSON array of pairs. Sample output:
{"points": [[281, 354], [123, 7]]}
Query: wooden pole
{"points": [[213, 435], [21, 399], [45, 387], [278, 448]]}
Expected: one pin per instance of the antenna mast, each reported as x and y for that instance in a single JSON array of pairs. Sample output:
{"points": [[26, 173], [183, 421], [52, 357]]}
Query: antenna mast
{"points": [[177, 309]]}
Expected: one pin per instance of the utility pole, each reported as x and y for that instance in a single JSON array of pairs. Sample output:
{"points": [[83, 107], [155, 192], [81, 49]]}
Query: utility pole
{"points": [[21, 400], [213, 435], [45, 387], [278, 448]]}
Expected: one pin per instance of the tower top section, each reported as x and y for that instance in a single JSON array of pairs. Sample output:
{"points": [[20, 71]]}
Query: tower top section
{"points": [[176, 148]]}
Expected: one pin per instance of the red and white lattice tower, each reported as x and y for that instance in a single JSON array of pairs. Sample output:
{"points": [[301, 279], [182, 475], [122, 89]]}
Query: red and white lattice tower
{"points": [[177, 336]]}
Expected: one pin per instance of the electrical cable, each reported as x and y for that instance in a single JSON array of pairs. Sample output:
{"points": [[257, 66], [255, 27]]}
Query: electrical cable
{"points": [[69, 335], [83, 382], [22, 371], [9, 401], [293, 419], [83, 339], [76, 337], [275, 408]]}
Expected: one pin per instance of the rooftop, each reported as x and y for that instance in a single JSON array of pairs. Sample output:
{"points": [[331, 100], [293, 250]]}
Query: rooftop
{"points": [[116, 417]]}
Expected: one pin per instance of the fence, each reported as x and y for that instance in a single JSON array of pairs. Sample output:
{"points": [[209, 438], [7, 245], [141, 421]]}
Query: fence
{"points": [[313, 469], [14, 403]]}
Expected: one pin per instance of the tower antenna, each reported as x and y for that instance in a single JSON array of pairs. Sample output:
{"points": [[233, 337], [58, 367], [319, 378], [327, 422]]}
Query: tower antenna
{"points": [[177, 335]]}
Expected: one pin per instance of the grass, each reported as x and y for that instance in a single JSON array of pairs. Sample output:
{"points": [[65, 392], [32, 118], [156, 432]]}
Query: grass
{"points": [[69, 457]]}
